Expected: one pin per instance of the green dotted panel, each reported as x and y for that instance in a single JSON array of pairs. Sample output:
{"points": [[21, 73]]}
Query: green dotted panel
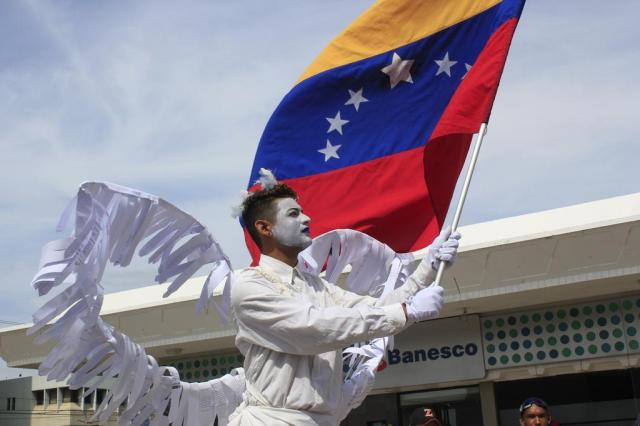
{"points": [[565, 333], [206, 368]]}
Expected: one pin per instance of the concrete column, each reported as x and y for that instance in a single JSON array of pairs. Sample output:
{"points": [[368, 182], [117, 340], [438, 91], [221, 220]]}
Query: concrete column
{"points": [[94, 400], [82, 399], [58, 398], [488, 404], [45, 399]]}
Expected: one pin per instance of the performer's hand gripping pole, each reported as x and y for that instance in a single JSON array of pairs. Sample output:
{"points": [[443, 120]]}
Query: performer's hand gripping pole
{"points": [[463, 193]]}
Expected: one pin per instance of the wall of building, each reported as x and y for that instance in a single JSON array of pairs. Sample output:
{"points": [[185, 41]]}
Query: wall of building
{"points": [[16, 401], [34, 401]]}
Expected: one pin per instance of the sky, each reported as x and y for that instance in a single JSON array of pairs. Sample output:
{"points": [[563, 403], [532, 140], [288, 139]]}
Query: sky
{"points": [[171, 98]]}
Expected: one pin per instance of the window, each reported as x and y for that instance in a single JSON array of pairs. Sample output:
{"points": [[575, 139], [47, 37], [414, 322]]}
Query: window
{"points": [[375, 410], [453, 407], [607, 397], [75, 395], [101, 394], [53, 396], [88, 400], [11, 404]]}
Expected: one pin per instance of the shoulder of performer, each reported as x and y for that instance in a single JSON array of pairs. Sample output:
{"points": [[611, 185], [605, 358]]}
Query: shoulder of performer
{"points": [[248, 281]]}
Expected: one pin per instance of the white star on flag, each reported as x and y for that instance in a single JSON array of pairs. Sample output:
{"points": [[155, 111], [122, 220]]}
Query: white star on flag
{"points": [[336, 123], [444, 65], [398, 70], [330, 151], [356, 98], [468, 67]]}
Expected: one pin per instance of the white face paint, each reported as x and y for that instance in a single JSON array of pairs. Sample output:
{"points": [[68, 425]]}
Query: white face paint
{"points": [[292, 226]]}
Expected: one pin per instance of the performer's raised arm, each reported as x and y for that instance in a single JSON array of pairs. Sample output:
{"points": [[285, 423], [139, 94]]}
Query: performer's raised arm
{"points": [[442, 249], [274, 315]]}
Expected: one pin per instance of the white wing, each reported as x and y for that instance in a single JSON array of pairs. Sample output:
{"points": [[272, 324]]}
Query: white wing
{"points": [[361, 377], [375, 267], [111, 221]]}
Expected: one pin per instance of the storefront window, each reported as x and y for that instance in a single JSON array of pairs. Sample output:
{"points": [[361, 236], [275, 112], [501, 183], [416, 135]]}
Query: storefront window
{"points": [[376, 410], [453, 407], [609, 398]]}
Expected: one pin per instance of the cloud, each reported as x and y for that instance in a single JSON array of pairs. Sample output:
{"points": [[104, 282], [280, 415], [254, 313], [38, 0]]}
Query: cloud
{"points": [[171, 100]]}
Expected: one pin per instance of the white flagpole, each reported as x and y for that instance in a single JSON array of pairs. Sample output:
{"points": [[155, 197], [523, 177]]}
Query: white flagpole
{"points": [[463, 193]]}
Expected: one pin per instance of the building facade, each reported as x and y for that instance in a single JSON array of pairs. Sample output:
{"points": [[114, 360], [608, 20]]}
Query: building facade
{"points": [[35, 401], [545, 304]]}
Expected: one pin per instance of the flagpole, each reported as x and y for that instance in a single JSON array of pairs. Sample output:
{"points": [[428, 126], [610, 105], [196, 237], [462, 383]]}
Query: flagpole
{"points": [[463, 193]]}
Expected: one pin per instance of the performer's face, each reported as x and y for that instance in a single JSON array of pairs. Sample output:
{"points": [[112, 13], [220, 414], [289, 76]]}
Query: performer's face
{"points": [[292, 225]]}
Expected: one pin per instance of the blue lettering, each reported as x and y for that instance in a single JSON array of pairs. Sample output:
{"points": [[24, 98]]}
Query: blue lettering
{"points": [[471, 349], [420, 355], [433, 354], [393, 356], [407, 357], [445, 352], [458, 351]]}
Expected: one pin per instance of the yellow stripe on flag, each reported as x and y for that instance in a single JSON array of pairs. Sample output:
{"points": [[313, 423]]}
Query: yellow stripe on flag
{"points": [[390, 24]]}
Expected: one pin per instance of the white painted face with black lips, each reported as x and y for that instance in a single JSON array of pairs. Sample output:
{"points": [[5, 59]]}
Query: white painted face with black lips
{"points": [[292, 226]]}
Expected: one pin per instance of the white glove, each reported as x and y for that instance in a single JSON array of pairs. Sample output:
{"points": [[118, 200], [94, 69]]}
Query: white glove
{"points": [[426, 304], [444, 248]]}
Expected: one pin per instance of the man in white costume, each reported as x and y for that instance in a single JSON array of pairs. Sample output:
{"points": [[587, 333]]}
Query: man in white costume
{"points": [[292, 326]]}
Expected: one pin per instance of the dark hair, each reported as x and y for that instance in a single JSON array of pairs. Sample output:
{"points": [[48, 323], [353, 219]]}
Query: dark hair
{"points": [[259, 205]]}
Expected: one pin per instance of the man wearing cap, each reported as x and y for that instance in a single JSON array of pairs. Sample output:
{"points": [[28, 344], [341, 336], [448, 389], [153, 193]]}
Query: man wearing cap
{"points": [[535, 412]]}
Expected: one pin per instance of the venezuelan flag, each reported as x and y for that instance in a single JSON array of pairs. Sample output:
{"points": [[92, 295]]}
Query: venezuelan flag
{"points": [[375, 132]]}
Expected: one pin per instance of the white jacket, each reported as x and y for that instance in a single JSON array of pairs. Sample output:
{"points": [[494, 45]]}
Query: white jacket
{"points": [[292, 327]]}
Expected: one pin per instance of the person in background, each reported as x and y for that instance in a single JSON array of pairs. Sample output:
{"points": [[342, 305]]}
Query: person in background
{"points": [[424, 417], [535, 412]]}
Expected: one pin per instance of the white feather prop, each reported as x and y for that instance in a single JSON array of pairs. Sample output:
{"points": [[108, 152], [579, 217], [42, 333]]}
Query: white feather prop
{"points": [[359, 382], [111, 221], [267, 180], [375, 267], [236, 210]]}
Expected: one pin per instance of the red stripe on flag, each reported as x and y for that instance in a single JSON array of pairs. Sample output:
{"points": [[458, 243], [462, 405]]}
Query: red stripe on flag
{"points": [[387, 199]]}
